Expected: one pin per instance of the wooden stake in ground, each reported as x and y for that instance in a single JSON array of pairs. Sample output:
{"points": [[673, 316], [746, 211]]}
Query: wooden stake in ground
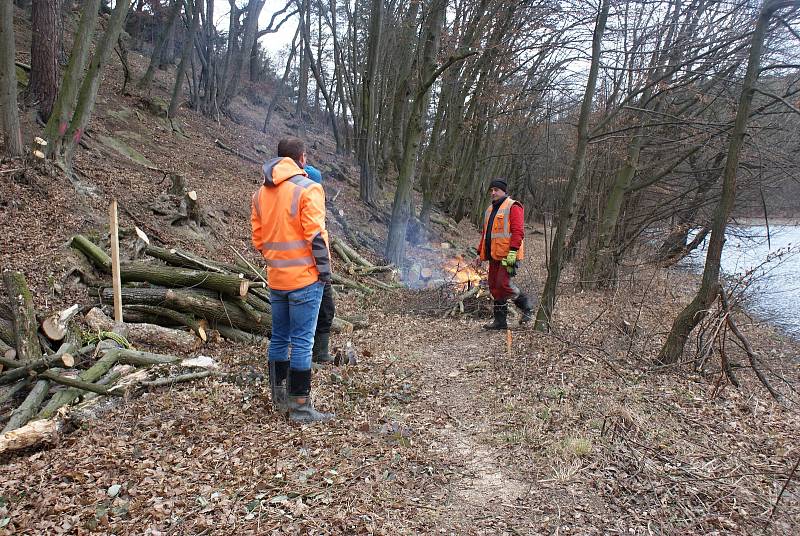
{"points": [[115, 276]]}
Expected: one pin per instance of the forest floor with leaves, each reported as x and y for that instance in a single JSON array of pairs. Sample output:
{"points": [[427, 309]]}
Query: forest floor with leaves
{"points": [[441, 427]]}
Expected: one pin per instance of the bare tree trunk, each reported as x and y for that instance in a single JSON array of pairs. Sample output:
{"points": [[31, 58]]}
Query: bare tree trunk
{"points": [[366, 150], [70, 83], [91, 82], [45, 47], [567, 208], [279, 90], [401, 208], [302, 90], [188, 46], [696, 310], [321, 86], [248, 40], [155, 58], [9, 114]]}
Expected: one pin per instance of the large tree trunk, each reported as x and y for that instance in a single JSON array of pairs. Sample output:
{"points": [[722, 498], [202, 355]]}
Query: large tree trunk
{"points": [[155, 58], [9, 114], [567, 207], [401, 208], [254, 8], [369, 89], [45, 47], [25, 324], [91, 83], [696, 310], [65, 101], [188, 46]]}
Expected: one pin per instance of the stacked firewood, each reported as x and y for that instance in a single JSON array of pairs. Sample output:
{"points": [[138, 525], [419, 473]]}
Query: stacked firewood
{"points": [[49, 365]]}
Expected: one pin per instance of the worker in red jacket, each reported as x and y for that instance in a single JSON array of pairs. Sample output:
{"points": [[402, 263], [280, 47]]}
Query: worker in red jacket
{"points": [[503, 245]]}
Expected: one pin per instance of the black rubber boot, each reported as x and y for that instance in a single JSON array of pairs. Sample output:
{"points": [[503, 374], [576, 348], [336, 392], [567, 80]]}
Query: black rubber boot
{"points": [[301, 408], [278, 372], [524, 304], [500, 316], [321, 353]]}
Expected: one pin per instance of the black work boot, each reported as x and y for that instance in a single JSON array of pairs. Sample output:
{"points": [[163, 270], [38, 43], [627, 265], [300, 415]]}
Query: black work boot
{"points": [[321, 354], [500, 314], [301, 409], [524, 304], [278, 372]]}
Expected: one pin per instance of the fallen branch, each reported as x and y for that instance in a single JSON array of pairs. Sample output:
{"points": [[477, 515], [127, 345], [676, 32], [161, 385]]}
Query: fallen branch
{"points": [[76, 383], [20, 370], [341, 280], [237, 153], [170, 380], [747, 348], [351, 253]]}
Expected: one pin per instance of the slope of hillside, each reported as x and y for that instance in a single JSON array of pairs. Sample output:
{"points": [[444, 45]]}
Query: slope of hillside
{"points": [[441, 427]]}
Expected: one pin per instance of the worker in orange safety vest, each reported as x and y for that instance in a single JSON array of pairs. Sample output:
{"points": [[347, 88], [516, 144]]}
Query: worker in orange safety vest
{"points": [[288, 222], [503, 245]]}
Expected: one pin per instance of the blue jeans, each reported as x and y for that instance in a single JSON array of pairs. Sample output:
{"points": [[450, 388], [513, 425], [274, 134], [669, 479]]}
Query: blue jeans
{"points": [[294, 319]]}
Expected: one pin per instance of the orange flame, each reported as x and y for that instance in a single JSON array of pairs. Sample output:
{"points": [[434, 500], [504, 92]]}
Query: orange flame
{"points": [[464, 274]]}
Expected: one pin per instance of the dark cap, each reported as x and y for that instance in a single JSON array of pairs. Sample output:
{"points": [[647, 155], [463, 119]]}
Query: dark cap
{"points": [[499, 183]]}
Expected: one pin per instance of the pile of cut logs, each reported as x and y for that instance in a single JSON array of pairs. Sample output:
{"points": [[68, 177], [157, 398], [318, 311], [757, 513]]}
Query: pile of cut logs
{"points": [[174, 305], [48, 366]]}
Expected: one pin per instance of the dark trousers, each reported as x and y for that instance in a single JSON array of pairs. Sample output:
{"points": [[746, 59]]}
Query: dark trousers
{"points": [[500, 285], [327, 310]]}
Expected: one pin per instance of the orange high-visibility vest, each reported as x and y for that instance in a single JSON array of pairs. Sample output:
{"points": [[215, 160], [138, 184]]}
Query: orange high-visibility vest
{"points": [[288, 220], [501, 233]]}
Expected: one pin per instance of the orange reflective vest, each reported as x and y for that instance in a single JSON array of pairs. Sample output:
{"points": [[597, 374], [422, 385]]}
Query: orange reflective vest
{"points": [[288, 220], [501, 233]]}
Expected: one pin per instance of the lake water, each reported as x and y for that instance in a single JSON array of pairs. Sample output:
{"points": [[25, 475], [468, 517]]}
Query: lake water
{"points": [[774, 296]]}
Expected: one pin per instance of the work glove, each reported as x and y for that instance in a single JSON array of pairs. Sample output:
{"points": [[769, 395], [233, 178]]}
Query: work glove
{"points": [[510, 262]]}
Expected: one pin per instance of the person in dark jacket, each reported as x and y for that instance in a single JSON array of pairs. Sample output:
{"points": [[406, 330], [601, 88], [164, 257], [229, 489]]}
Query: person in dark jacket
{"points": [[327, 309], [503, 245]]}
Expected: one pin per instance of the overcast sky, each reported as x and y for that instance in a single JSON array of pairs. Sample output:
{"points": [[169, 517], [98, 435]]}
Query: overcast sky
{"points": [[271, 42]]}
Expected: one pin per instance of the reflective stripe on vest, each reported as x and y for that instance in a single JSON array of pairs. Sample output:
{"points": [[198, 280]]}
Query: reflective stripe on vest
{"points": [[283, 246], [500, 237], [287, 263], [301, 182]]}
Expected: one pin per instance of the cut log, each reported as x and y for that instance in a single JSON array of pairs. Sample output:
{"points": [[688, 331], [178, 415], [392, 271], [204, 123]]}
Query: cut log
{"points": [[55, 325], [229, 285], [110, 378], [95, 254], [25, 324], [33, 433], [143, 359], [29, 406], [237, 335], [151, 314], [352, 253], [68, 396], [24, 369], [341, 280], [200, 303], [149, 334]]}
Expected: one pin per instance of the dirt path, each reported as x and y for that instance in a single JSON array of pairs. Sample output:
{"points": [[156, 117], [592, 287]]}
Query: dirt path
{"points": [[487, 495]]}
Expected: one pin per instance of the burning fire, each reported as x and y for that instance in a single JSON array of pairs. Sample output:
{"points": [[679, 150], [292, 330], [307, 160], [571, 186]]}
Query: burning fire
{"points": [[464, 275]]}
